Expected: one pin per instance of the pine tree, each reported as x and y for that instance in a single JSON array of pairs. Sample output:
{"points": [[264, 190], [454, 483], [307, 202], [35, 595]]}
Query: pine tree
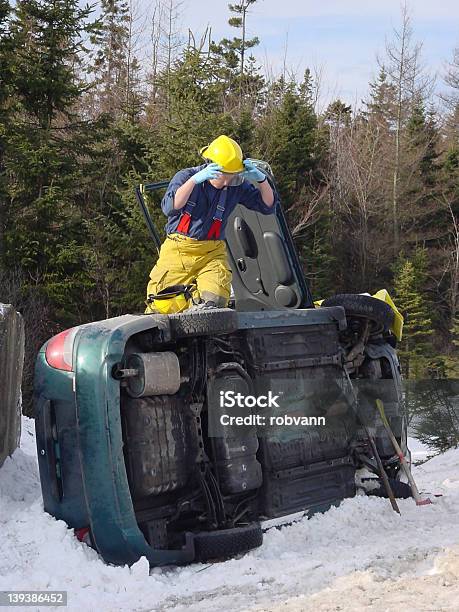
{"points": [[238, 73], [43, 141], [422, 138], [415, 348], [374, 149], [6, 53], [338, 114], [5, 58], [245, 132], [433, 404], [196, 115], [447, 259], [241, 45], [42, 218], [115, 233], [380, 106], [115, 66], [288, 139]]}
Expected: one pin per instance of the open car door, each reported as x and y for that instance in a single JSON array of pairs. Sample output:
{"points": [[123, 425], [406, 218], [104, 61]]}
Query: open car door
{"points": [[267, 273]]}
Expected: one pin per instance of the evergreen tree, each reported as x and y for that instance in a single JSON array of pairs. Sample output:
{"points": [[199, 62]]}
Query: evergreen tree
{"points": [[238, 73], [415, 348], [380, 106], [6, 53], [195, 114], [242, 44], [288, 139], [116, 244], [422, 137], [338, 114], [114, 65], [42, 216], [245, 133], [434, 405], [447, 256]]}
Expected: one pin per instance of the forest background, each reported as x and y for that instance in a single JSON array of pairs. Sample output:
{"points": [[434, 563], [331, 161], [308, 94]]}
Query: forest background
{"points": [[371, 191]]}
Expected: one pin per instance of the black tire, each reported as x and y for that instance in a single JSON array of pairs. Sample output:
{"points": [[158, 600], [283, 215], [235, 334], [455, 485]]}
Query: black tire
{"points": [[356, 305], [206, 322], [227, 542]]}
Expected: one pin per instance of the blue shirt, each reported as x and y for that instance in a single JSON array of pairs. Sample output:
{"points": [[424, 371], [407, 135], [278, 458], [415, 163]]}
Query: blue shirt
{"points": [[206, 197]]}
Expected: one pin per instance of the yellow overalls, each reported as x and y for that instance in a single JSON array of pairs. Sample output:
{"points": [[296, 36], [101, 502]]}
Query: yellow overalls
{"points": [[185, 260]]}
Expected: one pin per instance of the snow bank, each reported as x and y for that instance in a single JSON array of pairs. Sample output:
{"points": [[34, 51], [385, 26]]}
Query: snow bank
{"points": [[437, 589], [358, 556], [419, 451]]}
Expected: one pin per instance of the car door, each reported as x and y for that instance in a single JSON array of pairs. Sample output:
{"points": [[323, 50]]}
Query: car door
{"points": [[267, 274]]}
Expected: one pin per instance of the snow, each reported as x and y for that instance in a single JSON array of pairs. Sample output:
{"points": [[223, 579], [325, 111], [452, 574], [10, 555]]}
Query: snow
{"points": [[359, 556], [419, 451]]}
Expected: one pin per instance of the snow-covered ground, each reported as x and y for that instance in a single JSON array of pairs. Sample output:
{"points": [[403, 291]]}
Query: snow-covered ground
{"points": [[360, 556], [419, 452]]}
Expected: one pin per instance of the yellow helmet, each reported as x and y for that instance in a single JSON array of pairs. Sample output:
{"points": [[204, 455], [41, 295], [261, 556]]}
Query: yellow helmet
{"points": [[226, 152], [171, 299]]}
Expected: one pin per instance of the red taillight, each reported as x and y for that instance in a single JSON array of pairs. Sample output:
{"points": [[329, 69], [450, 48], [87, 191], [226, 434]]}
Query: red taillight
{"points": [[83, 535], [59, 350]]}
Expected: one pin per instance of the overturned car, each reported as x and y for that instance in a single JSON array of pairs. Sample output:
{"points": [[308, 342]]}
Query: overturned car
{"points": [[182, 437]]}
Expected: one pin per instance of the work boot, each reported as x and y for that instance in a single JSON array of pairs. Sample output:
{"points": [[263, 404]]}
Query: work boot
{"points": [[202, 306]]}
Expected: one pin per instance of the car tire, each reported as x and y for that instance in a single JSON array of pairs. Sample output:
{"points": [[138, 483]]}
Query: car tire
{"points": [[206, 322], [356, 305], [227, 542]]}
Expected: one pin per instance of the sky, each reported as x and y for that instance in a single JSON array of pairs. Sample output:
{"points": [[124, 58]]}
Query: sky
{"points": [[341, 38]]}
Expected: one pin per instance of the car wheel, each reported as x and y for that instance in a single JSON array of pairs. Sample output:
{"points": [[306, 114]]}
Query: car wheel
{"points": [[227, 542], [356, 305], [207, 322]]}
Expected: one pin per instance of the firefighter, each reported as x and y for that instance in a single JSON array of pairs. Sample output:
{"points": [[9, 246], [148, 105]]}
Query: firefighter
{"points": [[197, 203]]}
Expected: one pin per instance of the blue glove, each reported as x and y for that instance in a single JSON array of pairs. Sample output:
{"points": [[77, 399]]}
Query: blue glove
{"points": [[251, 172], [212, 171]]}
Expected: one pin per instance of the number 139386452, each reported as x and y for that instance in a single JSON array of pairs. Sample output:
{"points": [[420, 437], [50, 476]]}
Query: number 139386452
{"points": [[31, 598]]}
